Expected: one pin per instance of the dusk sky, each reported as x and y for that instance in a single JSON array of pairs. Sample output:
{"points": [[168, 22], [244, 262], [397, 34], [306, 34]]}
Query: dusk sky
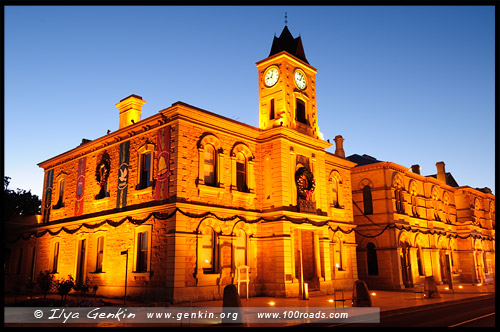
{"points": [[407, 84]]}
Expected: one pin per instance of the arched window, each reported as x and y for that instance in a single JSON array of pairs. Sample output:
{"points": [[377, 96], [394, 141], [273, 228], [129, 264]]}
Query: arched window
{"points": [[60, 186], [419, 261], [335, 192], [208, 250], [209, 165], [240, 248], [371, 259], [367, 200], [211, 157], [398, 195], [338, 253]]}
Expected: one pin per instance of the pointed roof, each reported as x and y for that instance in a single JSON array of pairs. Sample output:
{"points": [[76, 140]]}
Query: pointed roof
{"points": [[287, 43]]}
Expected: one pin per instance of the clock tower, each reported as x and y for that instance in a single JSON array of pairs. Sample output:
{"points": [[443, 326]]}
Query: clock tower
{"points": [[287, 87]]}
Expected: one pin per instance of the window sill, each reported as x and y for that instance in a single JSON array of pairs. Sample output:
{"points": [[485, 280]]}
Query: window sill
{"points": [[102, 202], [144, 276], [213, 191], [245, 198], [203, 279], [142, 192]]}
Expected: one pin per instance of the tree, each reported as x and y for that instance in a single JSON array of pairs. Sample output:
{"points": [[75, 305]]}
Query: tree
{"points": [[19, 202]]}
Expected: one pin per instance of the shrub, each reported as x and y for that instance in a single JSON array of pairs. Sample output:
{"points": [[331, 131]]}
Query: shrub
{"points": [[63, 287], [45, 282]]}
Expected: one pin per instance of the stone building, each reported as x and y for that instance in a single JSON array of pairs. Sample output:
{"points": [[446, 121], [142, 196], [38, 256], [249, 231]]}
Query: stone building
{"points": [[186, 199], [410, 226]]}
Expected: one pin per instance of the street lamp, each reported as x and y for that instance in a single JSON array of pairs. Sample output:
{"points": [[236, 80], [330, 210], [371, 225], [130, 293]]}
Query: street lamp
{"points": [[125, 252]]}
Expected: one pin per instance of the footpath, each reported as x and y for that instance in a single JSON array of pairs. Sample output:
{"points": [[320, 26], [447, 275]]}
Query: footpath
{"points": [[387, 301]]}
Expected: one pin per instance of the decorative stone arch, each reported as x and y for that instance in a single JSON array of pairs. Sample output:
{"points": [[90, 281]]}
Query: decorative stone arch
{"points": [[216, 163], [404, 237], [436, 194], [443, 243], [397, 181], [421, 240], [209, 138], [364, 241], [365, 182]]}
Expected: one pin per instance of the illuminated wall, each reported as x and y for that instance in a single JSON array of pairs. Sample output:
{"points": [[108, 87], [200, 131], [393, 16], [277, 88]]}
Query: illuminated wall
{"points": [[411, 226], [192, 195]]}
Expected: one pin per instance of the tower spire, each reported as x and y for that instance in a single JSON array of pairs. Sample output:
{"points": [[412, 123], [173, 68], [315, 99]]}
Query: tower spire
{"points": [[286, 21]]}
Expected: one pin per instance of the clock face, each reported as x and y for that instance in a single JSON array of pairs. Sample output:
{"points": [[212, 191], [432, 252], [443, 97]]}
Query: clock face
{"points": [[271, 77], [300, 80]]}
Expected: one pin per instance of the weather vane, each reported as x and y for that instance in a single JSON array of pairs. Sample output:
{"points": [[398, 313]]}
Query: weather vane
{"points": [[286, 21]]}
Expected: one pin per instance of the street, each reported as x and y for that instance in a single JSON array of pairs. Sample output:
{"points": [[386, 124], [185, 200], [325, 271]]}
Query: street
{"points": [[477, 312]]}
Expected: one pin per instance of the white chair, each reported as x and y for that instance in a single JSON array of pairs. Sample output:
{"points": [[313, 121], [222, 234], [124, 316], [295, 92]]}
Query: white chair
{"points": [[242, 276]]}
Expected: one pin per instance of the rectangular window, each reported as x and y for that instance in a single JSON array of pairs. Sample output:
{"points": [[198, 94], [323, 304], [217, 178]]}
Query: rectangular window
{"points": [[300, 111], [142, 252], [271, 111], [100, 254], [146, 170], [55, 257]]}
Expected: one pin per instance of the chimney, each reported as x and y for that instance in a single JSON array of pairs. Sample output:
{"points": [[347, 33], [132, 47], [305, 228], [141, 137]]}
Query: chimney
{"points": [[441, 176], [339, 150], [130, 109], [415, 169]]}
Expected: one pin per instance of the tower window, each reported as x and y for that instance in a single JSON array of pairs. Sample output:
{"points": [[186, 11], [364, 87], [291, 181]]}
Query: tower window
{"points": [[272, 115], [300, 111]]}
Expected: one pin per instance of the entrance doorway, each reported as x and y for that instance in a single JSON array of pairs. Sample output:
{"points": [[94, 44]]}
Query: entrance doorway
{"points": [[305, 243]]}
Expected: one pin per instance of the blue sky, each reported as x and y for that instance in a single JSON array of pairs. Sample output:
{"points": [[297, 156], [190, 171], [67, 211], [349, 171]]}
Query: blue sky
{"points": [[407, 84]]}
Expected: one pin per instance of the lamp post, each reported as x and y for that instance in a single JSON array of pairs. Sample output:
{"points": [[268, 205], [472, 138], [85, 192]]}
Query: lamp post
{"points": [[125, 252]]}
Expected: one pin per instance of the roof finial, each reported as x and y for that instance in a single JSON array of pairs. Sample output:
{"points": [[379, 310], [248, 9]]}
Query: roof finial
{"points": [[286, 21]]}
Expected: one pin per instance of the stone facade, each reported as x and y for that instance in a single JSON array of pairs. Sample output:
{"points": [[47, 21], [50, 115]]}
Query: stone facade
{"points": [[411, 226], [179, 201]]}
